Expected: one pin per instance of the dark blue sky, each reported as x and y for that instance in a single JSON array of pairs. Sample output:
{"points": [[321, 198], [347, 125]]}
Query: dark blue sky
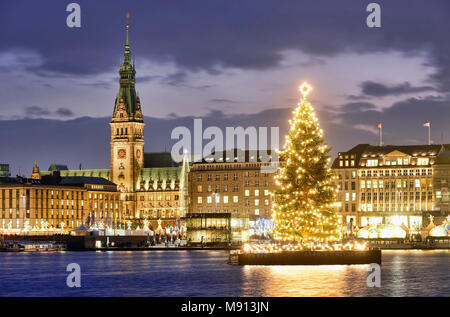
{"points": [[219, 59]]}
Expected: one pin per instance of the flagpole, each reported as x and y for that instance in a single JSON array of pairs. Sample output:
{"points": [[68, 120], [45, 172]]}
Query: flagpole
{"points": [[429, 134], [381, 135]]}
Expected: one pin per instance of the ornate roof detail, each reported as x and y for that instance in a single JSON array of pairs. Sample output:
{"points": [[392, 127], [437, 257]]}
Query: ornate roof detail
{"points": [[127, 99]]}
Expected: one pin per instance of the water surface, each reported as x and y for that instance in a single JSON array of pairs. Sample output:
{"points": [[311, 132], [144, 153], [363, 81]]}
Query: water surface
{"points": [[206, 273]]}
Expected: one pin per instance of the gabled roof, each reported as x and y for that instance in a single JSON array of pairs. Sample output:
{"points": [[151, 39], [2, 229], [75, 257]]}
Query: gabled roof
{"points": [[367, 150]]}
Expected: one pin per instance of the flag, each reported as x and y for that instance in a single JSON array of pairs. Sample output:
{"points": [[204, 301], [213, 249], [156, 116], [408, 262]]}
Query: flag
{"points": [[379, 125], [426, 124]]}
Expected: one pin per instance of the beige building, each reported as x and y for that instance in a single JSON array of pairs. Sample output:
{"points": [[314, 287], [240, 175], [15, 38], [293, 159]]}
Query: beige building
{"points": [[387, 184], [57, 202], [237, 187]]}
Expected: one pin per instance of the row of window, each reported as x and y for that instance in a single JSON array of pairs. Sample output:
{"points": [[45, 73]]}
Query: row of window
{"points": [[256, 211], [225, 176], [397, 161], [160, 196], [397, 196], [225, 188], [396, 207], [225, 200], [399, 183], [404, 172]]}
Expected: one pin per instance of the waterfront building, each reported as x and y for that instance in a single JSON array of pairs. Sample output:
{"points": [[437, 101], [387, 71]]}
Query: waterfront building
{"points": [[441, 181], [236, 186], [44, 204], [392, 184]]}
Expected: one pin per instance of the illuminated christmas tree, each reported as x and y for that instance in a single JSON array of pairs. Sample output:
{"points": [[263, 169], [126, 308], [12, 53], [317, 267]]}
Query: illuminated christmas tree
{"points": [[304, 198]]}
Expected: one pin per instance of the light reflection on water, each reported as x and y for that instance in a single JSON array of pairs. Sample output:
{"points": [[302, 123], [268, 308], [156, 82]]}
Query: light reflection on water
{"points": [[201, 273]]}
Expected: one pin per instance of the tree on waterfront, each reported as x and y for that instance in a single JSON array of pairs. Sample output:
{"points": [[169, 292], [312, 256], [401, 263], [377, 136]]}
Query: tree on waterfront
{"points": [[304, 198]]}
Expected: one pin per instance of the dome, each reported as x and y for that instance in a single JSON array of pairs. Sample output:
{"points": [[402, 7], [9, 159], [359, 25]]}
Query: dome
{"points": [[439, 231], [391, 231]]}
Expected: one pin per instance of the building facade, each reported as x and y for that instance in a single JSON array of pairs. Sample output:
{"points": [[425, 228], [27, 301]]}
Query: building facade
{"points": [[239, 187], [388, 184], [54, 202]]}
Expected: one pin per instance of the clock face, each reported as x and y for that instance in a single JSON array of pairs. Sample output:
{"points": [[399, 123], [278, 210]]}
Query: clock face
{"points": [[138, 154], [122, 153]]}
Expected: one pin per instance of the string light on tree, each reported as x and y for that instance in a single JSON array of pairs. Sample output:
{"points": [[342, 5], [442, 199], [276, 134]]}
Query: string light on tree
{"points": [[304, 198]]}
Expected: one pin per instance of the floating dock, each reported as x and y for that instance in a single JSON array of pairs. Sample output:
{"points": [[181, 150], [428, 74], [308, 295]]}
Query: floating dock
{"points": [[307, 258]]}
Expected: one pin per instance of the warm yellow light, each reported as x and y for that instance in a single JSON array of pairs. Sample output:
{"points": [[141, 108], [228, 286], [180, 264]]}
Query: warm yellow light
{"points": [[305, 89]]}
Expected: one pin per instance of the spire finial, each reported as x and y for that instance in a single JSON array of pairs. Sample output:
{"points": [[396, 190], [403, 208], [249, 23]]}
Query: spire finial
{"points": [[127, 43], [305, 89]]}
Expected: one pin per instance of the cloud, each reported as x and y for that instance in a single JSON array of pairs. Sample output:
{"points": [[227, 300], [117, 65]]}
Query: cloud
{"points": [[40, 112], [313, 61], [217, 35], [403, 121], [176, 79], [64, 112], [222, 100], [374, 89], [357, 107], [180, 79], [354, 123], [366, 127], [147, 79], [36, 111]]}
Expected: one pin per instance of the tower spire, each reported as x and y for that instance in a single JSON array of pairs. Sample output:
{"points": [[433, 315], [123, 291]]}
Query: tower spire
{"points": [[127, 53]]}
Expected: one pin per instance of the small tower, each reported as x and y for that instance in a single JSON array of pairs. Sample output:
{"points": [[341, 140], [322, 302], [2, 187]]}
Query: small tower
{"points": [[127, 128], [36, 173]]}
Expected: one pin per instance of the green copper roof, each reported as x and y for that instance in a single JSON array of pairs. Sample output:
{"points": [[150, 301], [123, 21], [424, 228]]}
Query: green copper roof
{"points": [[127, 90]]}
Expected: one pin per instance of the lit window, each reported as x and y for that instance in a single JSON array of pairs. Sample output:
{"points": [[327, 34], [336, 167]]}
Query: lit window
{"points": [[256, 192], [199, 200], [235, 199], [372, 162], [347, 196], [266, 192], [247, 192], [422, 161], [225, 199], [256, 202], [256, 211], [417, 182], [209, 199]]}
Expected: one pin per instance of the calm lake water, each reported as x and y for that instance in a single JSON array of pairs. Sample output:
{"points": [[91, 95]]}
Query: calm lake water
{"points": [[202, 273]]}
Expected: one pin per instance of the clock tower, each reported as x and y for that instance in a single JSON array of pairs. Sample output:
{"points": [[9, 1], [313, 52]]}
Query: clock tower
{"points": [[127, 130]]}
